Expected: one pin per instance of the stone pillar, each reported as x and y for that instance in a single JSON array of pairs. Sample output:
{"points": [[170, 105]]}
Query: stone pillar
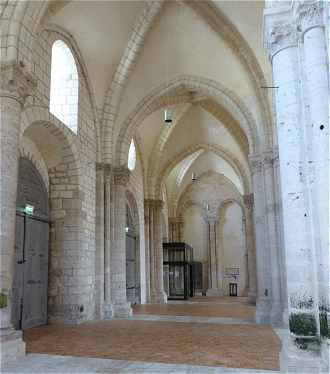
{"points": [[316, 93], [153, 211], [294, 138], [109, 224], [269, 157], [296, 217], [99, 237], [214, 287], [120, 306], [280, 230], [147, 236], [246, 259], [250, 248], [263, 301], [15, 85]]}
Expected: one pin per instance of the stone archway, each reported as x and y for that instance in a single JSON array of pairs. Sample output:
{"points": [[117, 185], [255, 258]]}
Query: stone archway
{"points": [[70, 296]]}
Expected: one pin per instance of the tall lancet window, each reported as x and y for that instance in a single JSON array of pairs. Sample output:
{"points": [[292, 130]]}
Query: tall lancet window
{"points": [[64, 85], [131, 156]]}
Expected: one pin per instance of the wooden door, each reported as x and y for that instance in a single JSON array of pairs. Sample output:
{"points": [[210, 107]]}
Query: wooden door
{"points": [[130, 268], [29, 304], [18, 273], [35, 274]]}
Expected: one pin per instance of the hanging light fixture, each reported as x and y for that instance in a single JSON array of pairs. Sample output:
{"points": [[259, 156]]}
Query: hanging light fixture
{"points": [[168, 116]]}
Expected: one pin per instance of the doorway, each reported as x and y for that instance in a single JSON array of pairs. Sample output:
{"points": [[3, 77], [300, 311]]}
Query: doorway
{"points": [[29, 306], [133, 287]]}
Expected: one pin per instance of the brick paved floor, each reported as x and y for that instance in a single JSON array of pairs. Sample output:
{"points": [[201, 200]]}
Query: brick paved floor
{"points": [[239, 346], [202, 307]]}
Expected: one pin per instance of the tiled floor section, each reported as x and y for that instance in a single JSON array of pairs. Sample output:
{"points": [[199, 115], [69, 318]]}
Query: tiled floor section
{"points": [[36, 363], [238, 346], [202, 307]]}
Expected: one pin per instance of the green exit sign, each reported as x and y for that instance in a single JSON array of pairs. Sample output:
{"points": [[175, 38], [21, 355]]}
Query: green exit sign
{"points": [[29, 209]]}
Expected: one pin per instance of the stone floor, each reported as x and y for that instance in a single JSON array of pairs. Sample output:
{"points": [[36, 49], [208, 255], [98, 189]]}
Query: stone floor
{"points": [[39, 363], [195, 336], [240, 346], [202, 307]]}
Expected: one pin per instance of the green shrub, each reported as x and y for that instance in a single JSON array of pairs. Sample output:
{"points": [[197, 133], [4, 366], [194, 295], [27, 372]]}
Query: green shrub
{"points": [[324, 325], [3, 300], [302, 324]]}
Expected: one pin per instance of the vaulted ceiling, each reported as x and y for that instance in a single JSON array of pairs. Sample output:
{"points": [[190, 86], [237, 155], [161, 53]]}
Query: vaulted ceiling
{"points": [[186, 38]]}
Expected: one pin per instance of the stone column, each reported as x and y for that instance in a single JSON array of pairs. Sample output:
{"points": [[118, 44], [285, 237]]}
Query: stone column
{"points": [[147, 236], [214, 288], [120, 306], [109, 224], [246, 259], [250, 247], [296, 44], [280, 230], [263, 301], [154, 209], [292, 152], [15, 85], [269, 157], [316, 94], [99, 238]]}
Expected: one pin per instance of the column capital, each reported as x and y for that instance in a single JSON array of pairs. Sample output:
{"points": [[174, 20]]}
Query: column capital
{"points": [[154, 203], [248, 200], [280, 31], [211, 219], [270, 157], [121, 175], [15, 82], [175, 220], [255, 162], [308, 14], [101, 166]]}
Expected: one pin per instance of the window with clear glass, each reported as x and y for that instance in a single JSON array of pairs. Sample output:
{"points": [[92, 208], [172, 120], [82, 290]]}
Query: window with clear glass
{"points": [[131, 156], [64, 85]]}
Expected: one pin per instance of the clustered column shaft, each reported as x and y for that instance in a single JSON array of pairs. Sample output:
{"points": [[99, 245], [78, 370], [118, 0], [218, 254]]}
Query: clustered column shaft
{"points": [[120, 306], [250, 248], [153, 217]]}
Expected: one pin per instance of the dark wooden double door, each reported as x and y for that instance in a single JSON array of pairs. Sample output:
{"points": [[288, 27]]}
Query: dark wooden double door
{"points": [[30, 283], [31, 272]]}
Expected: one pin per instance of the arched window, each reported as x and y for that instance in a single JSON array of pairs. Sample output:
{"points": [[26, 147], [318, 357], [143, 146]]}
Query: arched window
{"points": [[131, 156], [64, 85]]}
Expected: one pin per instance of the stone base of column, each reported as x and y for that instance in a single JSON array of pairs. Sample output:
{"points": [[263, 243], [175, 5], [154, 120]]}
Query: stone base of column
{"points": [[285, 317], [245, 292], [107, 311], [252, 297], [276, 314], [325, 356], [122, 310], [216, 292], [158, 297], [296, 360], [12, 345], [263, 308]]}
